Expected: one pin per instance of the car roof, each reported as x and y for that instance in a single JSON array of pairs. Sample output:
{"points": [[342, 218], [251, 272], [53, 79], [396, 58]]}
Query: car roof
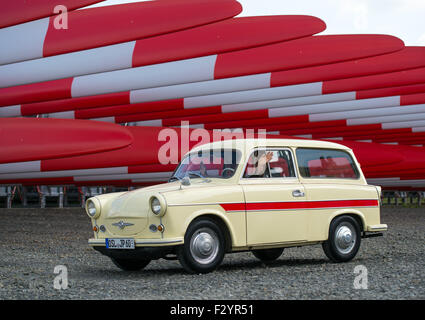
{"points": [[249, 144]]}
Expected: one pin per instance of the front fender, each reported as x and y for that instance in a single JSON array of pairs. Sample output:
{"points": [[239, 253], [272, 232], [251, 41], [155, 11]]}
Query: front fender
{"points": [[216, 213]]}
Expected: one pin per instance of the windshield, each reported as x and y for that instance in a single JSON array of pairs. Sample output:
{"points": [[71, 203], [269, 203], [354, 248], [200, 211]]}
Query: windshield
{"points": [[208, 164]]}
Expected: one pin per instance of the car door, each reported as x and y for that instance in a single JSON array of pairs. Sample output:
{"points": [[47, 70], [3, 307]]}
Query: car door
{"points": [[273, 198], [333, 183]]}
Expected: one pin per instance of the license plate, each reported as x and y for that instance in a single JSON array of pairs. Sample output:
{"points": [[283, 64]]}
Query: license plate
{"points": [[119, 243]]}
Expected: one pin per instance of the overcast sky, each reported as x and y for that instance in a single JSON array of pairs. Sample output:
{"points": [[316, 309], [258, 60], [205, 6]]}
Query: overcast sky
{"points": [[402, 18]]}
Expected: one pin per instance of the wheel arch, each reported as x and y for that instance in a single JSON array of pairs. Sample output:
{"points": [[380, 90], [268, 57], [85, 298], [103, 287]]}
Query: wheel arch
{"points": [[357, 215], [220, 220]]}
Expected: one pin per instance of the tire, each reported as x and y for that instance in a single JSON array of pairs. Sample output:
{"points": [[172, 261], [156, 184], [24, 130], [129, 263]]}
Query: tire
{"points": [[268, 255], [130, 264], [204, 247], [344, 239]]}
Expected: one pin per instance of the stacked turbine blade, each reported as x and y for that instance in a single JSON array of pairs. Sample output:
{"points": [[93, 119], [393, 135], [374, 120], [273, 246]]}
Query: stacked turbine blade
{"points": [[105, 87]]}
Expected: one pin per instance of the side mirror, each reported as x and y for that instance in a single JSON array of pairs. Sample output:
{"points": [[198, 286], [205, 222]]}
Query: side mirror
{"points": [[185, 181]]}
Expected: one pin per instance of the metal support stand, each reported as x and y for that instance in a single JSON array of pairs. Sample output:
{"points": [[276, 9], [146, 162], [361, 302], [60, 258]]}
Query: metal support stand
{"points": [[42, 201], [9, 197], [24, 196], [61, 197]]}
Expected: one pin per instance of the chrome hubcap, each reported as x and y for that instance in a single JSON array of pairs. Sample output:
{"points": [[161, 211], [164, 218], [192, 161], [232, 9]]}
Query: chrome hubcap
{"points": [[204, 246], [345, 238]]}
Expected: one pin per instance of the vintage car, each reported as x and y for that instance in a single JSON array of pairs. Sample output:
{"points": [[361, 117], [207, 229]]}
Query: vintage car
{"points": [[258, 195]]}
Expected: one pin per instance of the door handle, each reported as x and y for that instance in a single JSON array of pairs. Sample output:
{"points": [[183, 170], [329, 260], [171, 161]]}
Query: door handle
{"points": [[298, 193]]}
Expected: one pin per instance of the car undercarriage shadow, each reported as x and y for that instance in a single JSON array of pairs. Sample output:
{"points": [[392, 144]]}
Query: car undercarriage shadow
{"points": [[225, 267], [255, 264]]}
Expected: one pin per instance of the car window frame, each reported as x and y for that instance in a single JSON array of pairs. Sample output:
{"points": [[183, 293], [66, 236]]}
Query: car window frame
{"points": [[294, 166]]}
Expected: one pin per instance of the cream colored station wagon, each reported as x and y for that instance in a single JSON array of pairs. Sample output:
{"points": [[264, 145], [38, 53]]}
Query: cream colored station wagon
{"points": [[246, 195]]}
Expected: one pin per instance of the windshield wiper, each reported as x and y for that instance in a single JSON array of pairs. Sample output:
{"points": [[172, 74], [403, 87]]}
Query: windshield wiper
{"points": [[173, 178], [204, 179], [199, 175]]}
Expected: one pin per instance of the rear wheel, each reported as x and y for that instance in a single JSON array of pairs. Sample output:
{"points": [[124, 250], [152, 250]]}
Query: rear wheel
{"points": [[268, 254], [130, 264], [344, 239], [204, 247]]}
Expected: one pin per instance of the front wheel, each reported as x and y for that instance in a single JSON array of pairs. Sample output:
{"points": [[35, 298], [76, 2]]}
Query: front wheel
{"points": [[204, 247], [130, 264], [344, 239]]}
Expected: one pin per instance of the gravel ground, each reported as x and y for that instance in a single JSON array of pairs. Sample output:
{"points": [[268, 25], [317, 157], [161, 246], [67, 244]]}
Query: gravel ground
{"points": [[34, 241]]}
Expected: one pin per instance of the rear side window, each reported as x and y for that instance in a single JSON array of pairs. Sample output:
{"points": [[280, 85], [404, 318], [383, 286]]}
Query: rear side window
{"points": [[326, 163]]}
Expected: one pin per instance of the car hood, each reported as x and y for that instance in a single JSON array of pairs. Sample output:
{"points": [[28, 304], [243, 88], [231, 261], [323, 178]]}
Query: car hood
{"points": [[147, 192], [176, 185], [135, 203]]}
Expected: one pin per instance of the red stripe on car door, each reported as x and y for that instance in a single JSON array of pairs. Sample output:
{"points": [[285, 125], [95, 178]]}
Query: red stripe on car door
{"points": [[299, 205]]}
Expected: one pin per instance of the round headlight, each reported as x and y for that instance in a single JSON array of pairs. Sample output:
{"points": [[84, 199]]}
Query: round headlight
{"points": [[158, 205], [93, 208]]}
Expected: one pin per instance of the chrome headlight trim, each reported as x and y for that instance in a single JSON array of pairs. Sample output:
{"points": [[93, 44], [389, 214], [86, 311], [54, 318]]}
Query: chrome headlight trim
{"points": [[93, 208], [158, 205]]}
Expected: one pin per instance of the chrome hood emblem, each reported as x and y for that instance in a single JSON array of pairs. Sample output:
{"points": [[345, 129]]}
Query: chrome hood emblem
{"points": [[122, 224]]}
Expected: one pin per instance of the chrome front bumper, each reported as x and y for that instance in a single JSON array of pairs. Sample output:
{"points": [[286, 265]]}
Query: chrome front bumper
{"points": [[143, 242]]}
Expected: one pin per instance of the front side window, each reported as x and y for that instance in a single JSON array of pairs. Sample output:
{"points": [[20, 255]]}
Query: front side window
{"points": [[270, 163], [208, 164], [326, 163]]}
